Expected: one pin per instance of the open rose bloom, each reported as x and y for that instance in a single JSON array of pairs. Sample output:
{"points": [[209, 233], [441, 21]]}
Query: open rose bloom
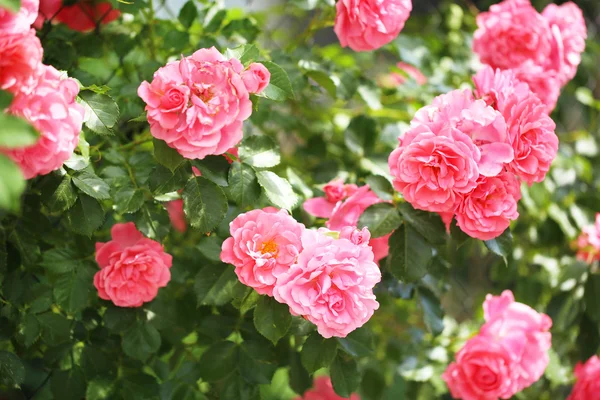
{"points": [[323, 390], [84, 16], [197, 105], [587, 384], [588, 242], [19, 65], [18, 22]]}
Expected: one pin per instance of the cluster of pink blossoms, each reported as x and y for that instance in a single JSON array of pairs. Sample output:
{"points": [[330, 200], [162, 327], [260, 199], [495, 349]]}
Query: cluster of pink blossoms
{"points": [[543, 50], [197, 105], [509, 353], [42, 96], [323, 390], [587, 386], [588, 242], [325, 276], [83, 16], [464, 154]]}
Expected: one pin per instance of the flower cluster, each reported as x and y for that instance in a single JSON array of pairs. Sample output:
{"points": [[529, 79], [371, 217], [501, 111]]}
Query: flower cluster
{"points": [[197, 105], [327, 277], [83, 16], [464, 154], [369, 25], [509, 353], [323, 390], [587, 385], [42, 96], [342, 206], [588, 242], [132, 267], [543, 50]]}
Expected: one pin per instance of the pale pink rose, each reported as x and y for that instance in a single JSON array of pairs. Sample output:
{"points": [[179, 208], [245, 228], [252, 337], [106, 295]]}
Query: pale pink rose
{"points": [[511, 33], [132, 267], [545, 83], [486, 211], [331, 283], [335, 191], [21, 58], [323, 390], [587, 386], [197, 105], [365, 25], [263, 245], [484, 370], [588, 242], [256, 78], [570, 32], [20, 21], [500, 89], [523, 331], [51, 108]]}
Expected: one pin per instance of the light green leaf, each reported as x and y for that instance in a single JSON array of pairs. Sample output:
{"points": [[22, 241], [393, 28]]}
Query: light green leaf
{"points": [[101, 112], [12, 5], [129, 200], [58, 193], [381, 186], [381, 219], [92, 185], [280, 87], [278, 190], [259, 151], [204, 204], [16, 132], [12, 185], [246, 53]]}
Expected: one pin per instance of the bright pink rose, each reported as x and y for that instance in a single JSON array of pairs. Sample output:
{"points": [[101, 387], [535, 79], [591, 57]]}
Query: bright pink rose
{"points": [[176, 215], [484, 370], [523, 331], [511, 33], [587, 386], [323, 390], [256, 78], [21, 57], [545, 83], [588, 242], [132, 267], [348, 212], [84, 16], [197, 105], [335, 191], [365, 25], [570, 32], [18, 22], [263, 245], [51, 108], [486, 212], [331, 283]]}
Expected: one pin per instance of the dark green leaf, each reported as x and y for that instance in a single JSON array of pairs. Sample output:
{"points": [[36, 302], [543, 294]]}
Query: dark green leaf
{"points": [[409, 254], [592, 297], [300, 379], [358, 343], [502, 245], [92, 185], [243, 184], [85, 216], [68, 385], [6, 97], [564, 309], [16, 132], [119, 319], [272, 319], [381, 186], [96, 362], [214, 168], [214, 285], [236, 388], [214, 21], [56, 329], [188, 14], [204, 203], [249, 301], [324, 80], [345, 377], [397, 391], [101, 112], [246, 53], [428, 224], [372, 385], [31, 330], [361, 134], [162, 180], [280, 87], [278, 190], [141, 341], [12, 185], [12, 371], [139, 387], [255, 370], [318, 352], [218, 361], [58, 194], [101, 388], [71, 290], [129, 200], [259, 151], [381, 219], [61, 260], [432, 310], [588, 340], [167, 156]]}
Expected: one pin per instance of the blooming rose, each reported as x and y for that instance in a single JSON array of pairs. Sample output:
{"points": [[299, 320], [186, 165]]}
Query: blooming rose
{"points": [[83, 16], [197, 105], [484, 369], [587, 386], [486, 211], [331, 283], [588, 242], [523, 331], [323, 390], [21, 57], [132, 267], [543, 82], [335, 191], [256, 77], [20, 21], [51, 108], [365, 25], [396, 79], [263, 245], [176, 214]]}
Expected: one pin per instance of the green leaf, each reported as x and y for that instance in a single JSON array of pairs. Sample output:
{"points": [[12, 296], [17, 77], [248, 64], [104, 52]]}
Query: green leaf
{"points": [[16, 132], [272, 319], [5, 97], [166, 156], [373, 384], [214, 285], [381, 186], [118, 319], [92, 185], [318, 352], [502, 245], [397, 391], [101, 388], [381, 219], [12, 371], [96, 362], [409, 254], [56, 329], [85, 216], [128, 200], [12, 185], [141, 341], [58, 193], [361, 135], [101, 112], [71, 291], [218, 361], [188, 14], [278, 190], [249, 301], [139, 387], [592, 297], [300, 379], [255, 370], [345, 377], [61, 260], [204, 204], [213, 21], [432, 310], [428, 224], [358, 343], [324, 80], [68, 385], [246, 53], [214, 168], [243, 184], [162, 180], [280, 87], [259, 151]]}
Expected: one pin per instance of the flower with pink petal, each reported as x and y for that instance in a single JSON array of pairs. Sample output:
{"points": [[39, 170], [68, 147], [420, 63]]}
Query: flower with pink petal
{"points": [[323, 390], [588, 242], [21, 58], [335, 191], [256, 77], [132, 267], [587, 386], [18, 22]]}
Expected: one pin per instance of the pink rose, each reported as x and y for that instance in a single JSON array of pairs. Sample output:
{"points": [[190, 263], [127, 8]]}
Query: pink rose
{"points": [[511, 33], [587, 386], [523, 331], [197, 105], [331, 283], [323, 390], [256, 78], [263, 245], [51, 108], [543, 82], [176, 215], [570, 32], [21, 57], [486, 212], [335, 191], [365, 25], [484, 370], [84, 16], [18, 22], [588, 242], [132, 267], [396, 79]]}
